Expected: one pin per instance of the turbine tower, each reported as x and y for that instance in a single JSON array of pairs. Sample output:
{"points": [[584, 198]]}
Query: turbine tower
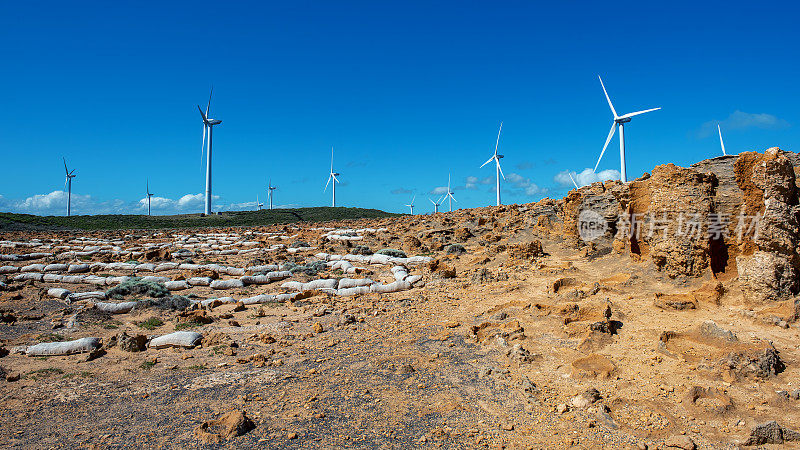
{"points": [[68, 186], [436, 204], [332, 176], [270, 188], [621, 121], [496, 159], [449, 194], [208, 127], [411, 205], [149, 194], [721, 144]]}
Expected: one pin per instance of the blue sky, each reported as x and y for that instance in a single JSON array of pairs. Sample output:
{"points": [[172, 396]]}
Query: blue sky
{"points": [[405, 91]]}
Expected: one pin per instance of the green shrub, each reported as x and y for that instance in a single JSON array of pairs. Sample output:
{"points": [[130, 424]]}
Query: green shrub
{"points": [[455, 249], [361, 250], [310, 269], [392, 252], [50, 337], [150, 324], [137, 286]]}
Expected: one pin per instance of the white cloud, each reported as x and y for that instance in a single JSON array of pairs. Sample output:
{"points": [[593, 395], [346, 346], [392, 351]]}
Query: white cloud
{"points": [[55, 203], [524, 184], [439, 190], [588, 176], [739, 120]]}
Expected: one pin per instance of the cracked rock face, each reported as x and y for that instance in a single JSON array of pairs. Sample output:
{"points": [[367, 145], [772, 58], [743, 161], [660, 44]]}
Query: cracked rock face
{"points": [[723, 193]]}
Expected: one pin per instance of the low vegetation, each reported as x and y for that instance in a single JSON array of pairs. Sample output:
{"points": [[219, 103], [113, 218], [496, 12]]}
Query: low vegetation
{"points": [[13, 221]]}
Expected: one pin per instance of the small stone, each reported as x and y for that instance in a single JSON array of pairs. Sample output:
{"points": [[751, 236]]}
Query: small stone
{"points": [[318, 327], [291, 435], [452, 324], [680, 441], [561, 408], [508, 426]]}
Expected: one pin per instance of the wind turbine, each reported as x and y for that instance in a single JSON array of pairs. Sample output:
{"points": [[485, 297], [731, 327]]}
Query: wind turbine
{"points": [[270, 188], [496, 159], [436, 205], [449, 194], [721, 144], [208, 126], [68, 186], [149, 194], [259, 205], [412, 204], [332, 176], [621, 121]]}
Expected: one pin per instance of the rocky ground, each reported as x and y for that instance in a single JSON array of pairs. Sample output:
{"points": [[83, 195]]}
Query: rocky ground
{"points": [[518, 334]]}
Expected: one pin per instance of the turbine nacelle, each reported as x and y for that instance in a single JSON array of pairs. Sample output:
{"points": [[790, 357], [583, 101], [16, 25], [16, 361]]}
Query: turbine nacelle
{"points": [[622, 120]]}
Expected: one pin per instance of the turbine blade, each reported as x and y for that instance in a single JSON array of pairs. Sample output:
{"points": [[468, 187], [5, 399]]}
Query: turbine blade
{"points": [[326, 184], [608, 98], [573, 180], [431, 201], [497, 142], [608, 139], [487, 162], [500, 169], [331, 159], [204, 116], [208, 106], [638, 112], [65, 165], [721, 144]]}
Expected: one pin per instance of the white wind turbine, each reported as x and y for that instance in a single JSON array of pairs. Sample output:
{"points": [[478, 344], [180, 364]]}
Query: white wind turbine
{"points": [[259, 205], [621, 121], [436, 204], [208, 126], [721, 144], [332, 176], [270, 188], [411, 205], [449, 194], [68, 186], [496, 159], [149, 194]]}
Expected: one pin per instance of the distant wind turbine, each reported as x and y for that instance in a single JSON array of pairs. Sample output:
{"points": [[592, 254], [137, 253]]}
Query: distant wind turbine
{"points": [[496, 159], [411, 205], [149, 194], [259, 205], [436, 204], [449, 194], [68, 186], [270, 188], [621, 121], [332, 176], [721, 144], [208, 126]]}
